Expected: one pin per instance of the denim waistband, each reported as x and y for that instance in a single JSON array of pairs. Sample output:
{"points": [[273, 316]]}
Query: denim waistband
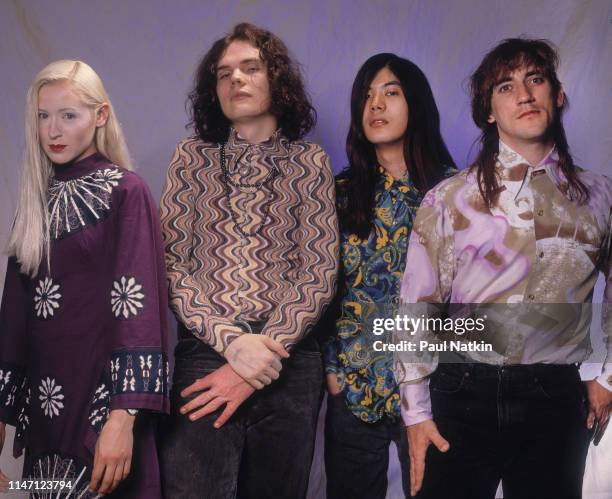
{"points": [[488, 370]]}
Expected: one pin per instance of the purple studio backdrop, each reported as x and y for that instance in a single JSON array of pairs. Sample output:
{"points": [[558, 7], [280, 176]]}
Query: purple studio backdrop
{"points": [[146, 53]]}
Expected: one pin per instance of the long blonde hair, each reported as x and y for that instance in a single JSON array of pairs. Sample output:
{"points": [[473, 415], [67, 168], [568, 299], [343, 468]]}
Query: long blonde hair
{"points": [[29, 239]]}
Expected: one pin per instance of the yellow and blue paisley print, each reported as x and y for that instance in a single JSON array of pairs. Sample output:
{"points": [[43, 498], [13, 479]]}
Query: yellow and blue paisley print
{"points": [[373, 269]]}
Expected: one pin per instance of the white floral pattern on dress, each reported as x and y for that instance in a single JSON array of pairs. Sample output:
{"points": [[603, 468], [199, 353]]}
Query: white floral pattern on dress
{"points": [[126, 297], [47, 297], [51, 397]]}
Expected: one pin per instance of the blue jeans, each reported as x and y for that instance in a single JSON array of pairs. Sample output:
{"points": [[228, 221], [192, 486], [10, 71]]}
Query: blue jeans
{"points": [[523, 425], [265, 450]]}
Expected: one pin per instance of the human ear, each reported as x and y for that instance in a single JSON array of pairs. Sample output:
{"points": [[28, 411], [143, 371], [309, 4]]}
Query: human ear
{"points": [[102, 115], [560, 97], [491, 119]]}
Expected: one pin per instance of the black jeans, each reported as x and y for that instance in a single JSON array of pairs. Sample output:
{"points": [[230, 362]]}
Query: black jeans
{"points": [[265, 450], [357, 453], [523, 425]]}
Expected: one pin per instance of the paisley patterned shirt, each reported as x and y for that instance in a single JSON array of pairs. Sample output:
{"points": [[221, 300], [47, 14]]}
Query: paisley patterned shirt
{"points": [[372, 276], [536, 251]]}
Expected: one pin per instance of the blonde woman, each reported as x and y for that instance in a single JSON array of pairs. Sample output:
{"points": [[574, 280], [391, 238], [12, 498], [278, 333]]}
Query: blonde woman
{"points": [[83, 354]]}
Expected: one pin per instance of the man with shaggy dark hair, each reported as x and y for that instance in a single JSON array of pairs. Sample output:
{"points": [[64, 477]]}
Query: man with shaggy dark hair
{"points": [[522, 236], [252, 251]]}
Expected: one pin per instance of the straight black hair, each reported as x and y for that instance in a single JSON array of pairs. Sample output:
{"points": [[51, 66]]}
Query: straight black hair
{"points": [[425, 152]]}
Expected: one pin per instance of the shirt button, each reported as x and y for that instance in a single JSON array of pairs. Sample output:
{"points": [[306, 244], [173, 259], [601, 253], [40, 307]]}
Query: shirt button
{"points": [[540, 213]]}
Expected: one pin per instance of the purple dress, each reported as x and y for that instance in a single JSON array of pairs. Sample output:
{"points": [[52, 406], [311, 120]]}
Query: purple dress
{"points": [[89, 334]]}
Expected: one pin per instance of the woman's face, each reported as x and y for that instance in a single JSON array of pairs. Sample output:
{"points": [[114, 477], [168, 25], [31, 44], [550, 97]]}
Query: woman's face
{"points": [[385, 114], [66, 126]]}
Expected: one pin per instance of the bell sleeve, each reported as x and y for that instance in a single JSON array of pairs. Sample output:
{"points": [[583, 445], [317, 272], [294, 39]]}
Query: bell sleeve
{"points": [[138, 303]]}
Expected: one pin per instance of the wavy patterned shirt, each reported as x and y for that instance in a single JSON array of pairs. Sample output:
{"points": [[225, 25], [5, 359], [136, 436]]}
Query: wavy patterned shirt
{"points": [[235, 253], [372, 270], [535, 251]]}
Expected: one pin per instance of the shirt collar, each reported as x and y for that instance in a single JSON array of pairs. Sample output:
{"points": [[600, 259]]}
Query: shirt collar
{"points": [[389, 180], [236, 147], [81, 168], [512, 166], [236, 143]]}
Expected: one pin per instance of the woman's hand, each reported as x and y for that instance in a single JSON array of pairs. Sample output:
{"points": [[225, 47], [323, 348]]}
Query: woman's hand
{"points": [[113, 456], [3, 478]]}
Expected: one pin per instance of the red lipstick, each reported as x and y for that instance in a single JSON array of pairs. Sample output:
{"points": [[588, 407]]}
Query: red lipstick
{"points": [[57, 147]]}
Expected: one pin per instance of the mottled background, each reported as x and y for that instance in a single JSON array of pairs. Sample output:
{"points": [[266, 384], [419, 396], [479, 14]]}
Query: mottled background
{"points": [[146, 53]]}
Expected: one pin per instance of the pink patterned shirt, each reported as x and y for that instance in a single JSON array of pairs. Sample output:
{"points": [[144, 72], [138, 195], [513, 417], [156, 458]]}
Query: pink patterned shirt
{"points": [[534, 247]]}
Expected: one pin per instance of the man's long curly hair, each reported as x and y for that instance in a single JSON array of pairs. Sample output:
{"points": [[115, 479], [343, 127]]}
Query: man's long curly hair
{"points": [[290, 103]]}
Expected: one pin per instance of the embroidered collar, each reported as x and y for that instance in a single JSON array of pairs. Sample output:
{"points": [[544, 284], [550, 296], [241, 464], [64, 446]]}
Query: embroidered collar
{"points": [[81, 168], [81, 201]]}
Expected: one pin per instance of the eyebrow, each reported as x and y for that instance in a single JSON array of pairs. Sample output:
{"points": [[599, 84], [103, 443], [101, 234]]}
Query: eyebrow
{"points": [[389, 83], [242, 62], [507, 78], [60, 110], [502, 80], [534, 72]]}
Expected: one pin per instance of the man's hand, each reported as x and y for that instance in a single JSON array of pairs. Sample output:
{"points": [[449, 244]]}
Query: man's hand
{"points": [[420, 436], [332, 384], [223, 386], [256, 358], [600, 403], [113, 456]]}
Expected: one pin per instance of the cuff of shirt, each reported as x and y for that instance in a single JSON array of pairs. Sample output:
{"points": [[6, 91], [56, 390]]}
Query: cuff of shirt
{"points": [[416, 402], [605, 378], [330, 357], [331, 369]]}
